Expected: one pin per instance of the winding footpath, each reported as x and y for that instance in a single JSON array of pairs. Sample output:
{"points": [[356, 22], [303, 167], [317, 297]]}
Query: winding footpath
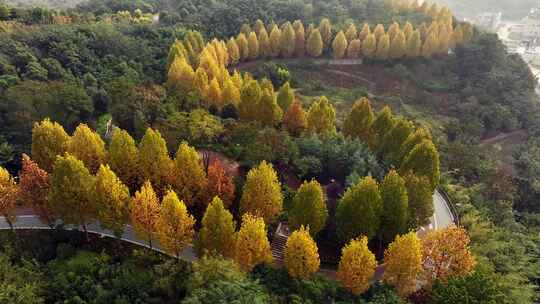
{"points": [[441, 219]]}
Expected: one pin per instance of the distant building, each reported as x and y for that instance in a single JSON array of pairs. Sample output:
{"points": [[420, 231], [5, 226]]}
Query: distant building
{"points": [[488, 21]]}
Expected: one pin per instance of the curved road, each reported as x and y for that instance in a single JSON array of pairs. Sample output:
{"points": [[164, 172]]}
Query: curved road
{"points": [[441, 218]]}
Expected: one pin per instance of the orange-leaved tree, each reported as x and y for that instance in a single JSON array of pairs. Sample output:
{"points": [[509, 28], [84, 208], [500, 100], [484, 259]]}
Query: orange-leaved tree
{"points": [[34, 185], [145, 212], [446, 254]]}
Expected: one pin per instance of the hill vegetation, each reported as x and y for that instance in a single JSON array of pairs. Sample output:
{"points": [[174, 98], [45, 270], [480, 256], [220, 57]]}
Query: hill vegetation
{"points": [[340, 117]]}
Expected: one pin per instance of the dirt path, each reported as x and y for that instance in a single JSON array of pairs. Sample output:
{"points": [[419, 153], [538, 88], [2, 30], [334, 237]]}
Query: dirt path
{"points": [[519, 134]]}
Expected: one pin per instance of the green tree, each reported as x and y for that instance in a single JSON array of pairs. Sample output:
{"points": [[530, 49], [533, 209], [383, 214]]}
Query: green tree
{"points": [[112, 199], [87, 146], [269, 112], [250, 96], [48, 141], [359, 211], [339, 46], [321, 117], [424, 160], [70, 196], [285, 96], [124, 158], [384, 122], [420, 196], [309, 208], [217, 230], [359, 122], [395, 203], [262, 193], [394, 139], [475, 288], [155, 163], [315, 44], [419, 135]]}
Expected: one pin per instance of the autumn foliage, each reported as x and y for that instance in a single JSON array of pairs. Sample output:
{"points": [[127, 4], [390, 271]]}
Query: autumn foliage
{"points": [[251, 243], [357, 266], [301, 254], [34, 187]]}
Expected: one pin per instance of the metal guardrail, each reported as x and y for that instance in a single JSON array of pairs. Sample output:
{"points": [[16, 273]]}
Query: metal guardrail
{"points": [[451, 205]]}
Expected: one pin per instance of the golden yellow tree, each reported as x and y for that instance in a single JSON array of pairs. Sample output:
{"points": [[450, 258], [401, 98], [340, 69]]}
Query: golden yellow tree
{"points": [[339, 46], [354, 49], [8, 197], [48, 141], [251, 243], [398, 46], [393, 30], [300, 39], [357, 266], [215, 96], [145, 212], [174, 225], [275, 42], [253, 45], [446, 254], [231, 94], [288, 41], [233, 50], [124, 158], [243, 46], [112, 199], [217, 230], [315, 44], [378, 31], [351, 33], [321, 117], [301, 254], [358, 122], [155, 162], [383, 47], [430, 46], [259, 27], [369, 46], [408, 29], [180, 75], [264, 44], [87, 146], [365, 32], [189, 178], [325, 27], [414, 45], [262, 193], [403, 263]]}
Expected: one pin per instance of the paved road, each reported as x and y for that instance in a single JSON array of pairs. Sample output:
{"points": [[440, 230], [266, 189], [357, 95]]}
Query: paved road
{"points": [[32, 222], [442, 218]]}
